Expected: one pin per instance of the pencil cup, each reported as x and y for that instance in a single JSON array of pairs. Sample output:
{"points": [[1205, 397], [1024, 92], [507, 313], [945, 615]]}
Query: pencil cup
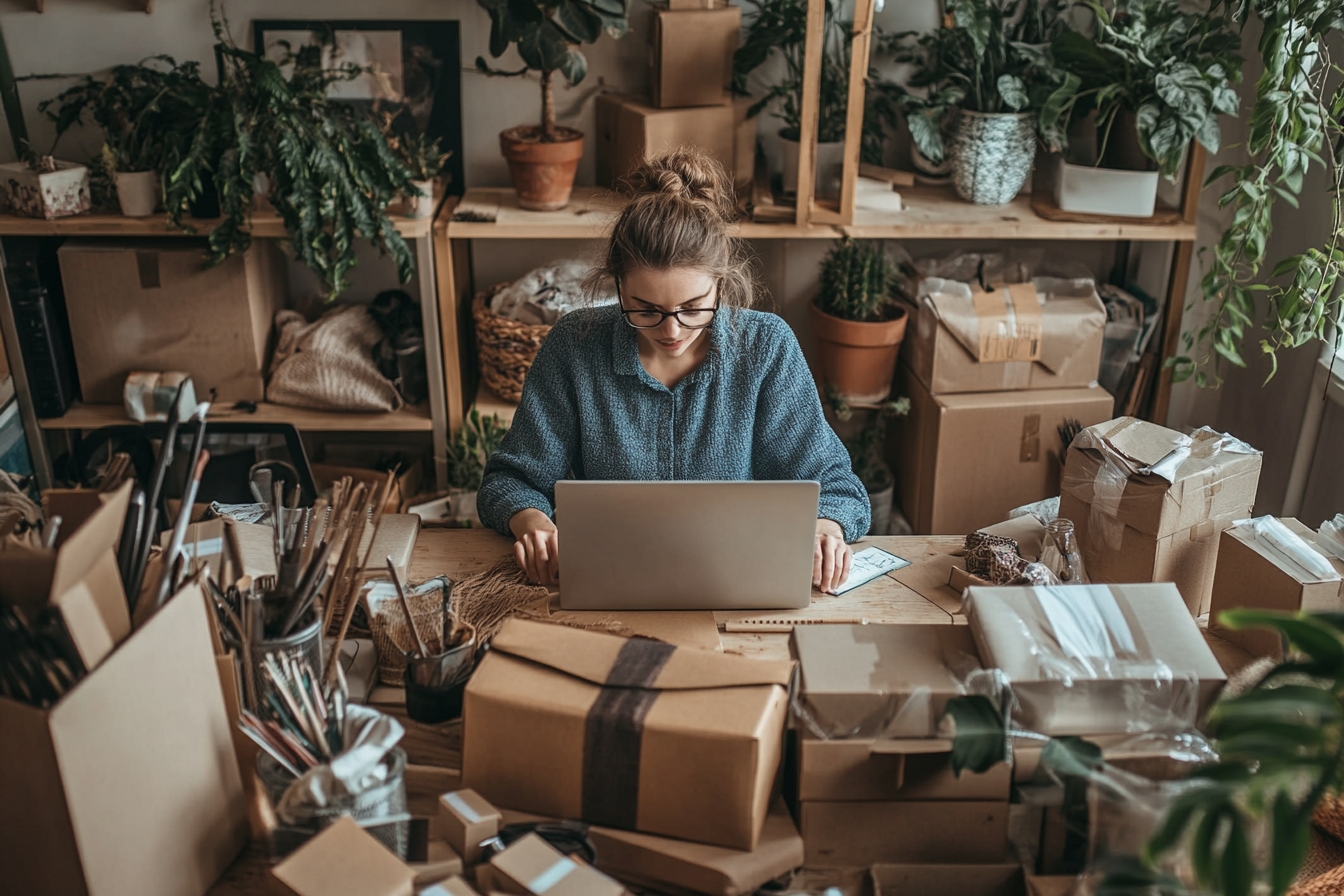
{"points": [[305, 644], [434, 684], [386, 801]]}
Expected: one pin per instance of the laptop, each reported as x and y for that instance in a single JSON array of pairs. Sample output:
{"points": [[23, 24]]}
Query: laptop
{"points": [[686, 545]]}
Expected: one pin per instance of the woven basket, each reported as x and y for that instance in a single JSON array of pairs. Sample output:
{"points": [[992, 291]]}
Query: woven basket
{"points": [[506, 347]]}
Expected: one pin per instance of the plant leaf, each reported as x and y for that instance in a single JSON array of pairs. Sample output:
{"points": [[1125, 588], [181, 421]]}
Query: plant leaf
{"points": [[980, 742]]}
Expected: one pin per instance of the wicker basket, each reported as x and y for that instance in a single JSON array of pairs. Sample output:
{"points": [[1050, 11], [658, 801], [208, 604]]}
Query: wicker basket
{"points": [[506, 347]]}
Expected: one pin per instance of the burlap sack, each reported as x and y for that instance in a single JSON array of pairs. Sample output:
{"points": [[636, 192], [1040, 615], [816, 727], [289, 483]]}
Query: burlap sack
{"points": [[329, 365]]}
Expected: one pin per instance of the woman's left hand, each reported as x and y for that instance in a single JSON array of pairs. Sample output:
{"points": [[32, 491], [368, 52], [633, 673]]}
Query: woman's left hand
{"points": [[831, 556]]}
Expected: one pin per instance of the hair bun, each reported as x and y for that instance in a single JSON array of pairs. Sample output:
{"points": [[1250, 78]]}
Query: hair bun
{"points": [[688, 174]]}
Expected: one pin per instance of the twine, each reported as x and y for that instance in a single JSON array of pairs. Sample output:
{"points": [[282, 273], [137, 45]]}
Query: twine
{"points": [[488, 598], [506, 347]]}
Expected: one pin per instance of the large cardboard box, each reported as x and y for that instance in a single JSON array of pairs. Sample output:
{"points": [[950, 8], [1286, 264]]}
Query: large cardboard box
{"points": [[942, 344], [691, 55], [153, 305], [948, 880], [964, 461], [625, 733], [880, 681], [1096, 659], [1150, 503], [854, 834], [630, 132], [891, 770], [128, 784], [1249, 575]]}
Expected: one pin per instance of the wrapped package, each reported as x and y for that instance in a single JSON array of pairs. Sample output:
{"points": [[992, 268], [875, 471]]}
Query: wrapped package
{"points": [[1331, 536], [1150, 503], [1096, 659], [626, 733], [542, 295]]}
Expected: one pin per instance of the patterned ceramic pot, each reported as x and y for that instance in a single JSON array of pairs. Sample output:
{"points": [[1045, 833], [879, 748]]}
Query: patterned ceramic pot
{"points": [[992, 155]]}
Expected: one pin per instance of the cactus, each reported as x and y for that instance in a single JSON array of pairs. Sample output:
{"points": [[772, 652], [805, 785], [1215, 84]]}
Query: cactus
{"points": [[857, 280]]}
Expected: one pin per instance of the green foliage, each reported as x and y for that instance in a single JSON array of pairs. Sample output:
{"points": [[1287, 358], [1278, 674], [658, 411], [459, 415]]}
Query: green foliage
{"points": [[471, 446], [865, 447], [988, 56], [857, 281], [979, 742], [780, 26], [420, 153], [1171, 67]]}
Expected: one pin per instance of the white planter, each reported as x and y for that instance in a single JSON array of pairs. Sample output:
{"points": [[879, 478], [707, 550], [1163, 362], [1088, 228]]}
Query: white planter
{"points": [[463, 506], [138, 193], [992, 155], [1105, 191], [53, 194], [881, 505], [420, 206], [830, 167]]}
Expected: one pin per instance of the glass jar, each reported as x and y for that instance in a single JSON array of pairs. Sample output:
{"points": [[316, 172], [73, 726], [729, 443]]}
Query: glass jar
{"points": [[1060, 553]]}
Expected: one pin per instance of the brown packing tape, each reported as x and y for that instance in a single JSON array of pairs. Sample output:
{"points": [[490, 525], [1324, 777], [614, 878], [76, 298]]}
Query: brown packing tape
{"points": [[1009, 319]]}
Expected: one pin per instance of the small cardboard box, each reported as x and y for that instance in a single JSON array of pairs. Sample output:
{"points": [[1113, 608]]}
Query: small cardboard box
{"points": [[129, 783], [1050, 884], [891, 771], [630, 133], [1116, 644], [466, 821], [941, 345], [691, 56], [948, 880], [532, 867], [888, 681], [854, 834], [965, 460], [1249, 575], [1150, 504], [343, 860], [627, 733], [153, 305], [80, 578], [453, 886]]}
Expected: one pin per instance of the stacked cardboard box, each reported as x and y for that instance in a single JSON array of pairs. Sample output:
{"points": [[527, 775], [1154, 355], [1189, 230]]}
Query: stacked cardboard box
{"points": [[691, 46], [982, 434], [872, 783]]}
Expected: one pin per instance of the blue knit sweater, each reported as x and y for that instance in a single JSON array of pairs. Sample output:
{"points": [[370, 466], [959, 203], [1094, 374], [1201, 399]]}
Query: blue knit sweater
{"points": [[591, 411]]}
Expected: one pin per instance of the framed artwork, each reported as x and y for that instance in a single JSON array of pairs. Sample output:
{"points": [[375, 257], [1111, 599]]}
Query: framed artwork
{"points": [[415, 72]]}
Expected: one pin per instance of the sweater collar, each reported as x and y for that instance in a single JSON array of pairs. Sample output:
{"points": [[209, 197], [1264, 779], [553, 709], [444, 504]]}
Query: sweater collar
{"points": [[625, 349]]}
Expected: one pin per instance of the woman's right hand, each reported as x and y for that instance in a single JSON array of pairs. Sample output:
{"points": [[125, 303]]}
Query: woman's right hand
{"points": [[538, 547]]}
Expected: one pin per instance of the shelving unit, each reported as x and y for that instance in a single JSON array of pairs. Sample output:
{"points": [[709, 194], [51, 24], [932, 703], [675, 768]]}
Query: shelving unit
{"points": [[266, 224]]}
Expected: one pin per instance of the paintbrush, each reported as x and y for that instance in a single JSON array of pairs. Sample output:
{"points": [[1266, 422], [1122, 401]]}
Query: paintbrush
{"points": [[406, 606], [173, 554], [149, 531]]}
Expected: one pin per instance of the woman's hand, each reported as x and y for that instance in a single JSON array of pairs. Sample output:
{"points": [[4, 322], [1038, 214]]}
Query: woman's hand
{"points": [[538, 547], [831, 556]]}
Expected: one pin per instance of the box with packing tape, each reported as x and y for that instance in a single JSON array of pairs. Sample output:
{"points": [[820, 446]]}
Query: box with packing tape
{"points": [[691, 55], [532, 867], [1096, 659], [626, 733], [1150, 503], [1272, 564]]}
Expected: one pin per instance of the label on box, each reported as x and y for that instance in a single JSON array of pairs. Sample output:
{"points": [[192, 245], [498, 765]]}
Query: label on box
{"points": [[1009, 318]]}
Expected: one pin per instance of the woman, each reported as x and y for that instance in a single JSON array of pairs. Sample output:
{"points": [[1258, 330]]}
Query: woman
{"points": [[681, 381]]}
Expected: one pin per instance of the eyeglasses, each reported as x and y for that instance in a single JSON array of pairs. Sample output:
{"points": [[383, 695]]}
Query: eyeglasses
{"points": [[690, 318]]}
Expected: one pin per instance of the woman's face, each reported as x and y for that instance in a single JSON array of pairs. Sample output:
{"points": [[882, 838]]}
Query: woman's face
{"points": [[675, 289]]}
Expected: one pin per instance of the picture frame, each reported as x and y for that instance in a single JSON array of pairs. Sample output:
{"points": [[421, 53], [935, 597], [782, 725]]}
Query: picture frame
{"points": [[417, 77]]}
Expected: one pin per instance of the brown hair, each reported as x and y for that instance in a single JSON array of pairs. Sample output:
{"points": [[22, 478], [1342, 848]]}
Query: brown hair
{"points": [[679, 213]]}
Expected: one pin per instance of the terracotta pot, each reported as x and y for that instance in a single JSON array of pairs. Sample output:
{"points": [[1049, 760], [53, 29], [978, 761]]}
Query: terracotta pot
{"points": [[543, 173], [858, 359]]}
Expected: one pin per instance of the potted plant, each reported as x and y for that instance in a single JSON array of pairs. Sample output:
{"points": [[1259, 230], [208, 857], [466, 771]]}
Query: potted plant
{"points": [[421, 154], [781, 26], [1151, 77], [36, 186], [544, 158], [858, 324], [866, 454], [468, 450]]}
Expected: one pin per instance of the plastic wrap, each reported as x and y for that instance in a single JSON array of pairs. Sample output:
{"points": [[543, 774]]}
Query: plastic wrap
{"points": [[371, 735], [542, 295], [1331, 536], [1046, 511], [1279, 541]]}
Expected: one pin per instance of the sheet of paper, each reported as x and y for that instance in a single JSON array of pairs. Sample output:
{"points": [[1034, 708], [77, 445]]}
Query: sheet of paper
{"points": [[867, 565]]}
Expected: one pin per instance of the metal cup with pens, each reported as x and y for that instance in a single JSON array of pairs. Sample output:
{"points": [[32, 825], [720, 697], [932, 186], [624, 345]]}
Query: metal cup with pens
{"points": [[435, 680]]}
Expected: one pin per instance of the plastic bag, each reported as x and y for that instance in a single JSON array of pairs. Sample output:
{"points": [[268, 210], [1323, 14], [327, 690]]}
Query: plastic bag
{"points": [[1277, 539]]}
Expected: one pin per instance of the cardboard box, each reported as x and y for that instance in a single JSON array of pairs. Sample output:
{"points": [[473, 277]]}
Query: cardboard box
{"points": [[942, 341], [965, 460], [432, 860], [1249, 575], [888, 681], [453, 886], [679, 866], [343, 860], [947, 880], [626, 733], [691, 56], [629, 133], [1114, 643], [849, 834], [406, 485], [466, 821], [1050, 884], [1150, 503], [153, 305], [891, 771], [80, 578], [129, 783], [532, 867]]}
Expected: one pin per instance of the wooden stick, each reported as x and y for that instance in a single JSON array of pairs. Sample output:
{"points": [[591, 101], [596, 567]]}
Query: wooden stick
{"points": [[406, 606]]}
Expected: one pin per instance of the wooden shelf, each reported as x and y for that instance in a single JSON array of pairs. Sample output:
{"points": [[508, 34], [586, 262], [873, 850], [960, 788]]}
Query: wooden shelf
{"points": [[487, 402], [929, 213], [408, 419]]}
